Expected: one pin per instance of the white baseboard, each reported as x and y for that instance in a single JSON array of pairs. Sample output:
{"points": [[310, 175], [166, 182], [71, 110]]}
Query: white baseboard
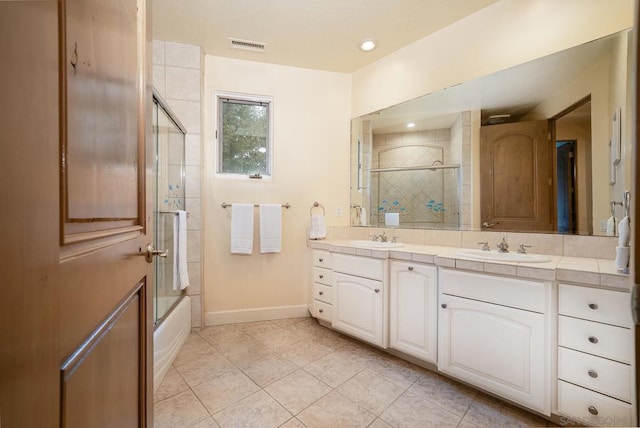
{"points": [[258, 314]]}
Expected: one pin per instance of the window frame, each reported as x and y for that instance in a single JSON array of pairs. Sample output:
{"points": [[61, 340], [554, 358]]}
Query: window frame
{"points": [[242, 98]]}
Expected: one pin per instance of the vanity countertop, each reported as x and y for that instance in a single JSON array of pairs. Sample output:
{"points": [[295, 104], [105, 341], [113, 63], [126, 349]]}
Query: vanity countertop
{"points": [[588, 271]]}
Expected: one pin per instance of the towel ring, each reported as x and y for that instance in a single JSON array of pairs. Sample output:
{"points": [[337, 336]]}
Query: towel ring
{"points": [[316, 205]]}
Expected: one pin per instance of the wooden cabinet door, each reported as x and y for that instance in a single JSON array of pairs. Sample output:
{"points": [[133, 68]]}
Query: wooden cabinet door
{"points": [[358, 307], [413, 310], [516, 177], [75, 304], [497, 348]]}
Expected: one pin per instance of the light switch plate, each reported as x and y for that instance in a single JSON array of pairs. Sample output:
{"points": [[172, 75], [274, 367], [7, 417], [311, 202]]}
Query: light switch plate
{"points": [[338, 212]]}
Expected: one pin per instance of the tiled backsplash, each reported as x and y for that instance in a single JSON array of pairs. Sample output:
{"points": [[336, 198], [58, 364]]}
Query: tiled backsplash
{"points": [[599, 247]]}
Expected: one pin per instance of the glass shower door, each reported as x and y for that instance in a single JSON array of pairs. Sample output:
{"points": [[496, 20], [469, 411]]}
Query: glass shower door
{"points": [[169, 191]]}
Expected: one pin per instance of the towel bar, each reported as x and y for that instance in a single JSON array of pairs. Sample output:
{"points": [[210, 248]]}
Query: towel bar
{"points": [[225, 205], [316, 205]]}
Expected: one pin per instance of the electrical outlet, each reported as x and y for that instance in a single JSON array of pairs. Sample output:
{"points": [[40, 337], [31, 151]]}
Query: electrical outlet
{"points": [[338, 212], [603, 225]]}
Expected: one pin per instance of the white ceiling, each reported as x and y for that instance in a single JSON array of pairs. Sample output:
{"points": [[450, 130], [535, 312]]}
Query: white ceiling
{"points": [[318, 34]]}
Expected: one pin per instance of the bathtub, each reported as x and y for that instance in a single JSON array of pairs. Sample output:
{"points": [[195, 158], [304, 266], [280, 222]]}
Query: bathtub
{"points": [[168, 338]]}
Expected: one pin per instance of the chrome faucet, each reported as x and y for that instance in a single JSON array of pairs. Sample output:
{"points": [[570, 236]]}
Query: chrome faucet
{"points": [[485, 246], [382, 237], [503, 246]]}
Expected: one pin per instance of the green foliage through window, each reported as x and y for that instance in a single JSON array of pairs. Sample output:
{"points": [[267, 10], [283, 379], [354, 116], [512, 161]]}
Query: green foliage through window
{"points": [[243, 136]]}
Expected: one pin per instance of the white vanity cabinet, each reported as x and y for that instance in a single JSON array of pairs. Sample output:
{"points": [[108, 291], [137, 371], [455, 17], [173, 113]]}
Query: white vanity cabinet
{"points": [[494, 332], [359, 296], [413, 309], [595, 352], [322, 304]]}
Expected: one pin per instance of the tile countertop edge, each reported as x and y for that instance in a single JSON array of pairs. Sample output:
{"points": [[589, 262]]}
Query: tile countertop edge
{"points": [[587, 271]]}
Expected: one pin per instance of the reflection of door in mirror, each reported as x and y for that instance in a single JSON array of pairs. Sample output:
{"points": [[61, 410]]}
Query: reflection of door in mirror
{"points": [[516, 177], [573, 168]]}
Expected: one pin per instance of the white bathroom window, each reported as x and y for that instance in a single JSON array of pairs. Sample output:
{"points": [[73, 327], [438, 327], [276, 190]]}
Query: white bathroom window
{"points": [[244, 135]]}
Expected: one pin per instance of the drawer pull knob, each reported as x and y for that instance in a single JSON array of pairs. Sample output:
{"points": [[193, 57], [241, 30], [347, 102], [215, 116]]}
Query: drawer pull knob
{"points": [[410, 267], [593, 410], [593, 306], [443, 306], [593, 373], [593, 339], [321, 276], [321, 310], [321, 260], [377, 290], [321, 292]]}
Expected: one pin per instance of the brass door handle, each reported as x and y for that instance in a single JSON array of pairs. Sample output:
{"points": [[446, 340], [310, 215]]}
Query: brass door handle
{"points": [[150, 252]]}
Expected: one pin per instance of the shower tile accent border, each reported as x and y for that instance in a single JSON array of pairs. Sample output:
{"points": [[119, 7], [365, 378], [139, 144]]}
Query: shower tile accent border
{"points": [[178, 77]]}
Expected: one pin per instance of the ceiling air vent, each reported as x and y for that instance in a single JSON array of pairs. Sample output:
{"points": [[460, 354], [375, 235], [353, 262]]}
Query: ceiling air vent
{"points": [[247, 45]]}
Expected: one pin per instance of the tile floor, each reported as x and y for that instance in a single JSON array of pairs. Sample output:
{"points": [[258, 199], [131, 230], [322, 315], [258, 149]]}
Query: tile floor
{"points": [[296, 373]]}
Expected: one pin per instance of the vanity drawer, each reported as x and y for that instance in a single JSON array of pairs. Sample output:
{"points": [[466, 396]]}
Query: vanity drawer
{"points": [[516, 293], [599, 374], [589, 407], [322, 258], [365, 267], [611, 307], [322, 310], [599, 339], [323, 276], [322, 292]]}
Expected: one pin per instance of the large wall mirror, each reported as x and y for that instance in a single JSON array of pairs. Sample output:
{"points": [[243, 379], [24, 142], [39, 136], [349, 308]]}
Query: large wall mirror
{"points": [[540, 147]]}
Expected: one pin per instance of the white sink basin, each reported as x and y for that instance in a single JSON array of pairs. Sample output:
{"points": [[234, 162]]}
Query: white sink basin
{"points": [[503, 257], [375, 244]]}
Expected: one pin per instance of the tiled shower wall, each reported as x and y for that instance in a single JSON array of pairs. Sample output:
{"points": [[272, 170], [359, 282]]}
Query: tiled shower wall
{"points": [[177, 76]]}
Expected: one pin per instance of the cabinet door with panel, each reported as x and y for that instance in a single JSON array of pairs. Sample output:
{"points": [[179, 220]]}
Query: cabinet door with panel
{"points": [[413, 311], [359, 307]]}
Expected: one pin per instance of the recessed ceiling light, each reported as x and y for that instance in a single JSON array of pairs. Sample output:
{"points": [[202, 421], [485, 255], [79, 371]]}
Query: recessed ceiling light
{"points": [[367, 45], [411, 125]]}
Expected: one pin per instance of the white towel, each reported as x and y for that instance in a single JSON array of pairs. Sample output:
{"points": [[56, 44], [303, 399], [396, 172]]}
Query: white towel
{"points": [[392, 219], [270, 228], [241, 228], [624, 232], [363, 216], [611, 226], [180, 271], [622, 258], [318, 229]]}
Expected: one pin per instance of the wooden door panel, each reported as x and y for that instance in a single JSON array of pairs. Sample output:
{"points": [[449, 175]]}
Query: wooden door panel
{"points": [[101, 384], [101, 168], [516, 176]]}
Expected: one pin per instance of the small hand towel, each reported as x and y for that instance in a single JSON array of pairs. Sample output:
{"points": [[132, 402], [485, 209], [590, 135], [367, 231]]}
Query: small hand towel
{"points": [[270, 228], [241, 228], [611, 226], [392, 219], [622, 258], [363, 216], [318, 229], [624, 232], [180, 271]]}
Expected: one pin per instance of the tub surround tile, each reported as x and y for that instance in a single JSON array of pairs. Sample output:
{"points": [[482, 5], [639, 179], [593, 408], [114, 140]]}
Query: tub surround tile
{"points": [[182, 55], [182, 83]]}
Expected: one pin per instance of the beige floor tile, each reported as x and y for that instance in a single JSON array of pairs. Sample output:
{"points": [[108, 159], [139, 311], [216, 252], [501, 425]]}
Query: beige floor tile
{"points": [[292, 423], [182, 410], [448, 394], [379, 423], [331, 339], [275, 337], [334, 370], [203, 369], [224, 336], [304, 352], [225, 390], [398, 371], [487, 411], [268, 369], [411, 410], [371, 391], [257, 410], [207, 423], [289, 322], [335, 410], [171, 385], [245, 352], [194, 346], [297, 391]]}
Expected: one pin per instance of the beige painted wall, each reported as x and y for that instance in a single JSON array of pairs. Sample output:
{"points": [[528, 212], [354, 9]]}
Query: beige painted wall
{"points": [[311, 163], [506, 33]]}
